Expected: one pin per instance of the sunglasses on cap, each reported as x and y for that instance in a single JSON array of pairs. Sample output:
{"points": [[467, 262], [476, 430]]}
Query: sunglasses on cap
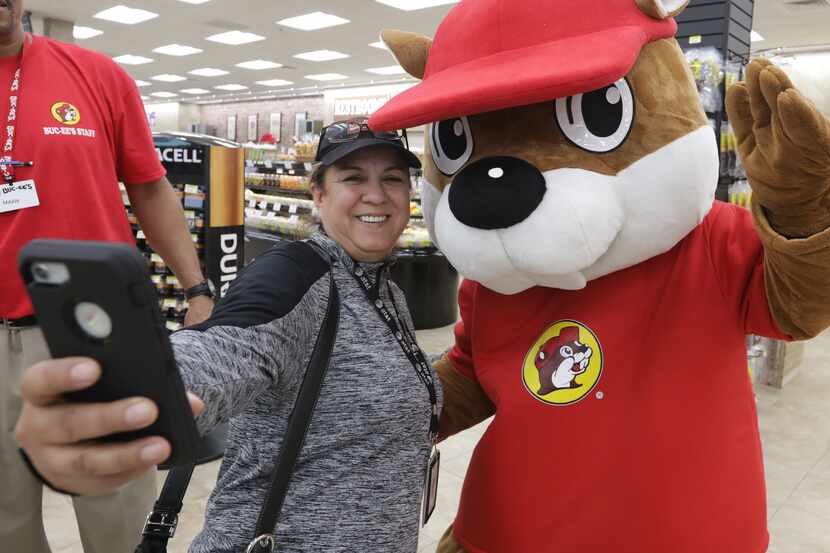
{"points": [[349, 131]]}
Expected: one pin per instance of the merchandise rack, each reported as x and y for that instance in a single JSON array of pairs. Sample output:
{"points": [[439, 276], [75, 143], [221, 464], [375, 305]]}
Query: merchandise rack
{"points": [[274, 213], [206, 173]]}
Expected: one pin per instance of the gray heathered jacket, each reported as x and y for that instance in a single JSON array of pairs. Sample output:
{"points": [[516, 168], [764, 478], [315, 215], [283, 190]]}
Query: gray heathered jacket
{"points": [[357, 485]]}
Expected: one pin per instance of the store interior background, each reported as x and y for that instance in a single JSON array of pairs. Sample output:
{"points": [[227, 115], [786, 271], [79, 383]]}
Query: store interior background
{"points": [[293, 97]]}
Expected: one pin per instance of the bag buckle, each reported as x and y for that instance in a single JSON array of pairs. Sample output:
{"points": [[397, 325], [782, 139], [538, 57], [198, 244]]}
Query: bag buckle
{"points": [[161, 523], [261, 541]]}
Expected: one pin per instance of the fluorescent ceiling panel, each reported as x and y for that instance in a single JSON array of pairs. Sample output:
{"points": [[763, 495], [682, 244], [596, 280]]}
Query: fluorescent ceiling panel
{"points": [[275, 82], [208, 72], [195, 91], [313, 21], [167, 78], [327, 77], [389, 70], [322, 55], [755, 37], [258, 65], [83, 33], [231, 87], [177, 50], [411, 5], [164, 94], [379, 44], [125, 15], [129, 59], [142, 83], [235, 38]]}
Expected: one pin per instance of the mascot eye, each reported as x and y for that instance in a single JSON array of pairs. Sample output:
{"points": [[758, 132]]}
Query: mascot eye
{"points": [[597, 121], [566, 351], [451, 142], [542, 355]]}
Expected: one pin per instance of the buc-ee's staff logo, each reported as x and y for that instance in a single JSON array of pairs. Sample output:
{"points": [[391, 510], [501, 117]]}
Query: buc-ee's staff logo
{"points": [[564, 364], [66, 113]]}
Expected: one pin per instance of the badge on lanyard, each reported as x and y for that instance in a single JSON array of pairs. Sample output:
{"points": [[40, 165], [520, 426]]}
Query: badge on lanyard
{"points": [[18, 195], [431, 484]]}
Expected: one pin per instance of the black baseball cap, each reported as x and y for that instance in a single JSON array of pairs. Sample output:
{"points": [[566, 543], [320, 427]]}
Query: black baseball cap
{"points": [[342, 138]]}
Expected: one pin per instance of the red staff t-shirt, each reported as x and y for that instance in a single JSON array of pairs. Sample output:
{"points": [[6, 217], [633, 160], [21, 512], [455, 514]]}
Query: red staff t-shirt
{"points": [[81, 121]]}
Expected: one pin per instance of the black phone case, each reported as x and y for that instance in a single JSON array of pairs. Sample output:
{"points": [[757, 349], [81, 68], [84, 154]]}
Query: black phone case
{"points": [[137, 358]]}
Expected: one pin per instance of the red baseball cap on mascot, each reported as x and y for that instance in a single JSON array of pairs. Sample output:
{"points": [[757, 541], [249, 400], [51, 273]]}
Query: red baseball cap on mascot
{"points": [[493, 54]]}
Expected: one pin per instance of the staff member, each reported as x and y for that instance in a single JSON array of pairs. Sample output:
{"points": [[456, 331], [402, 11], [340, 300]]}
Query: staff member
{"points": [[73, 126]]}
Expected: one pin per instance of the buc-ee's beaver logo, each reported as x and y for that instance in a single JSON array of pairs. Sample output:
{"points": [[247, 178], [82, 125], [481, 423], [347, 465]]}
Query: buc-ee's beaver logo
{"points": [[564, 364], [66, 113]]}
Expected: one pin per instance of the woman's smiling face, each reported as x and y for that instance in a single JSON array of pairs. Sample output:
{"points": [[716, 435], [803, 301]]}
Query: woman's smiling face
{"points": [[364, 202]]}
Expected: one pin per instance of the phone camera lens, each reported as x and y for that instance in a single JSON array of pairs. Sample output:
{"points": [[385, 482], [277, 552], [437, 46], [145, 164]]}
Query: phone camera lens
{"points": [[40, 272]]}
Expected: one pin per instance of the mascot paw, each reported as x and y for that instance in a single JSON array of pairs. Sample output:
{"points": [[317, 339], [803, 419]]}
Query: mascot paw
{"points": [[784, 144]]}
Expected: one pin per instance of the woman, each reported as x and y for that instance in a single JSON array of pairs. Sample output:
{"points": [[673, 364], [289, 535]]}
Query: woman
{"points": [[357, 485]]}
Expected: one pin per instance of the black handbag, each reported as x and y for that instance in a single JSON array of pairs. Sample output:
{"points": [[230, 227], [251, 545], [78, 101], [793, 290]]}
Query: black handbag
{"points": [[162, 521]]}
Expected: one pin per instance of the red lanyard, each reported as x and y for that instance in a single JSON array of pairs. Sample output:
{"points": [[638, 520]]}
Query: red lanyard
{"points": [[7, 167]]}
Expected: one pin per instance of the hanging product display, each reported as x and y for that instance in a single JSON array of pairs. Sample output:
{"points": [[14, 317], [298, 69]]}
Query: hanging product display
{"points": [[207, 175]]}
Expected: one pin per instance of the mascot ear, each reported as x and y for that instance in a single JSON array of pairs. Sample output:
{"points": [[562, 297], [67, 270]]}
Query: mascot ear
{"points": [[662, 9], [410, 49]]}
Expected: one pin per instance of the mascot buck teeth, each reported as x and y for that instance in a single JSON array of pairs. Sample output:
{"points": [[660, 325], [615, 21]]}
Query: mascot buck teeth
{"points": [[571, 177]]}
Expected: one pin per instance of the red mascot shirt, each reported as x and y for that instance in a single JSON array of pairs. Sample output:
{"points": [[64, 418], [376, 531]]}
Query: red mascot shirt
{"points": [[625, 419], [81, 121]]}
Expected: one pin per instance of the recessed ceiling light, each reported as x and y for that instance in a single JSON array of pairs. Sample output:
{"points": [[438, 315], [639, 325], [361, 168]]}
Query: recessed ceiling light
{"points": [[195, 91], [313, 21], [235, 38], [275, 82], [258, 65], [83, 33], [231, 87], [389, 70], [177, 50], [322, 55], [167, 78], [142, 83], [208, 72], [410, 5], [129, 59], [755, 36], [327, 77], [379, 44], [164, 94], [125, 15], [145, 97]]}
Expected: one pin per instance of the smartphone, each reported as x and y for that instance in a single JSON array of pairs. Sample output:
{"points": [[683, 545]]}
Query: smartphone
{"points": [[96, 299]]}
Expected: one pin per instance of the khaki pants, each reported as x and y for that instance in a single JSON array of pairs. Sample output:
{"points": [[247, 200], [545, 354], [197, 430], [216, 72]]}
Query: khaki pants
{"points": [[108, 524]]}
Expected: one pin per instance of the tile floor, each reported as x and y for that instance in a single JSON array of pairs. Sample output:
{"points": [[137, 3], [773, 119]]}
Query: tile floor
{"points": [[795, 426]]}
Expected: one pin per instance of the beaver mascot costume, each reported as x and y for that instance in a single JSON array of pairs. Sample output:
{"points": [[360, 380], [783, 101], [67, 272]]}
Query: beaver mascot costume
{"points": [[570, 178]]}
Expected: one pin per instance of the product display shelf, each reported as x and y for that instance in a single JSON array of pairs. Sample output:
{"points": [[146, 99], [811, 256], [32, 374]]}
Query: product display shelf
{"points": [[427, 279], [171, 296]]}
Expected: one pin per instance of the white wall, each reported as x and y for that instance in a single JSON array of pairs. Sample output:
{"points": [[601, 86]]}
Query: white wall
{"points": [[810, 73], [163, 117]]}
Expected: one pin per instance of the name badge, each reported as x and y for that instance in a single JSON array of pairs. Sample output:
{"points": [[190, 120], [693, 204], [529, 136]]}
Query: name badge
{"points": [[18, 195], [431, 484]]}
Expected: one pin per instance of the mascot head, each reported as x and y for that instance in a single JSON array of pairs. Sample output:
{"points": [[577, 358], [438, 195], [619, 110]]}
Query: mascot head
{"points": [[566, 138]]}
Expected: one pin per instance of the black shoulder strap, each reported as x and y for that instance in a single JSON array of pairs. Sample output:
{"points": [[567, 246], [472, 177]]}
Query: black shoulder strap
{"points": [[162, 521]]}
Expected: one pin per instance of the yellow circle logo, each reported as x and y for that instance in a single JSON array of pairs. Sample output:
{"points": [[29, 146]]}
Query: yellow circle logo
{"points": [[66, 113], [564, 364]]}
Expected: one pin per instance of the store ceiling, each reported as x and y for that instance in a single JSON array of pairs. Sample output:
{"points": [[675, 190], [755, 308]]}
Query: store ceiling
{"points": [[189, 24], [780, 22]]}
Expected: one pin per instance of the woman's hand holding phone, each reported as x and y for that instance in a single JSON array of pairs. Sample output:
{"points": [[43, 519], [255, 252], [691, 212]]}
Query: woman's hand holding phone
{"points": [[60, 437]]}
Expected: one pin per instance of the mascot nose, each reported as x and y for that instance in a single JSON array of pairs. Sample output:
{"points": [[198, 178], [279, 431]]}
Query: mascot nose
{"points": [[496, 192]]}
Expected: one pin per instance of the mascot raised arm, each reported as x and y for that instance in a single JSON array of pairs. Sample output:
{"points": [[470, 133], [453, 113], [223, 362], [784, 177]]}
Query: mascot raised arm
{"points": [[570, 178]]}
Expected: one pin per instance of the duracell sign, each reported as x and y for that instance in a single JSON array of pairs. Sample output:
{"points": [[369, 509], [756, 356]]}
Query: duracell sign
{"points": [[180, 155]]}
